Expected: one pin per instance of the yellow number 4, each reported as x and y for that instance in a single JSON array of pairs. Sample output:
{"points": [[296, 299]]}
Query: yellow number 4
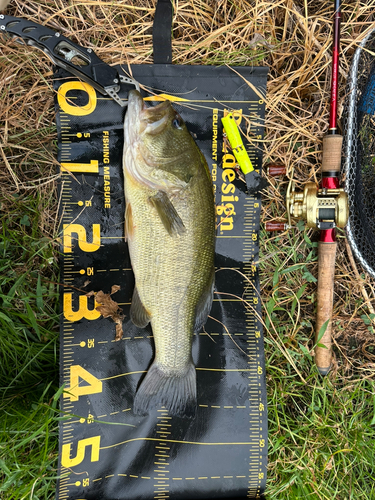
{"points": [[75, 390]]}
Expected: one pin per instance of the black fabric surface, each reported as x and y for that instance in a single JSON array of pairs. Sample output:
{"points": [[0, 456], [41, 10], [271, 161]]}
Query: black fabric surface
{"points": [[107, 452]]}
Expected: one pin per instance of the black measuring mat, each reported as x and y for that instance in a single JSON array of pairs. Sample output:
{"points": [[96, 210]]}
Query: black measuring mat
{"points": [[107, 452]]}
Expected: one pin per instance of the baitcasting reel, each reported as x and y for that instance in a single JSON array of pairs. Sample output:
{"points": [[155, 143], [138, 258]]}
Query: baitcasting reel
{"points": [[321, 208]]}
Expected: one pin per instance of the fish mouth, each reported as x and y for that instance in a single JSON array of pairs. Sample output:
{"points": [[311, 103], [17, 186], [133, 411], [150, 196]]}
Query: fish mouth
{"points": [[151, 119], [141, 120], [135, 104]]}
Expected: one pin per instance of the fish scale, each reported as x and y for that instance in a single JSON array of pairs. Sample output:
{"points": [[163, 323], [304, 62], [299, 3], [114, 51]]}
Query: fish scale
{"points": [[172, 271], [163, 266]]}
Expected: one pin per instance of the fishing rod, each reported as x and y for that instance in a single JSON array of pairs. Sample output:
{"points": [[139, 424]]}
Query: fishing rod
{"points": [[330, 171], [324, 208]]}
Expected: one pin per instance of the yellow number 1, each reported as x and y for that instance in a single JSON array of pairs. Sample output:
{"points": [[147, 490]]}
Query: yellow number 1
{"points": [[92, 167]]}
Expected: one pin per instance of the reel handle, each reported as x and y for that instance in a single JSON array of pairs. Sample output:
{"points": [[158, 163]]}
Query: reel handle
{"points": [[275, 226], [276, 169]]}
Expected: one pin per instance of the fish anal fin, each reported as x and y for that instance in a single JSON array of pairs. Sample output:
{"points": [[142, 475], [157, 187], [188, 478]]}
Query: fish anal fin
{"points": [[176, 391], [167, 213], [205, 303], [128, 222], [138, 314]]}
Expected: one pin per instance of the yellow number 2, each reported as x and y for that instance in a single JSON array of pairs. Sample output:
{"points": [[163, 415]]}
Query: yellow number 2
{"points": [[80, 231]]}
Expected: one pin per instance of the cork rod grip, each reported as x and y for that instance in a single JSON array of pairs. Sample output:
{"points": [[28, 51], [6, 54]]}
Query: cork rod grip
{"points": [[331, 160], [326, 276]]}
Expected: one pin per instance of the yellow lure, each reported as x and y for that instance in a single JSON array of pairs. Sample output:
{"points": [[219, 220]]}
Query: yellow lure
{"points": [[234, 138]]}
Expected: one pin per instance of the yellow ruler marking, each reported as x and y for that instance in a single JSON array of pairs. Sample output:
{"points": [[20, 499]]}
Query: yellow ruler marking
{"points": [[224, 236], [226, 369], [199, 443], [161, 489], [124, 374]]}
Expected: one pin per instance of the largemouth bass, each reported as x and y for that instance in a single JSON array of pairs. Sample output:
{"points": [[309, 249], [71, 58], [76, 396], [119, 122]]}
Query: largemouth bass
{"points": [[170, 229]]}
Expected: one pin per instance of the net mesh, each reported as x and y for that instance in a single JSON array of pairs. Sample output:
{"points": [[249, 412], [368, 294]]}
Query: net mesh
{"points": [[359, 153]]}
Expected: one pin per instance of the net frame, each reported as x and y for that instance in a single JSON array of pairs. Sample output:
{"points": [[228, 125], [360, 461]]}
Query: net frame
{"points": [[358, 162]]}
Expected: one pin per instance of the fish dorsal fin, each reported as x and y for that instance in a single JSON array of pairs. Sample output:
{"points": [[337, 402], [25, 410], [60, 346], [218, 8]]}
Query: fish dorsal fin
{"points": [[205, 303], [138, 314], [167, 213], [128, 222]]}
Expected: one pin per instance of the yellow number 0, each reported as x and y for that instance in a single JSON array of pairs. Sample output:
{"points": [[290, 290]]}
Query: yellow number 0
{"points": [[72, 109]]}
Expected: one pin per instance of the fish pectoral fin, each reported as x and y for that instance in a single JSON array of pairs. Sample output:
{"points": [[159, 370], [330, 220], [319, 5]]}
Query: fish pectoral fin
{"points": [[128, 222], [167, 213], [138, 314], [205, 303], [171, 180]]}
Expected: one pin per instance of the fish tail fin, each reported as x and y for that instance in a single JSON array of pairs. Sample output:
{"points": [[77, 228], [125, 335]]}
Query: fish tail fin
{"points": [[176, 391]]}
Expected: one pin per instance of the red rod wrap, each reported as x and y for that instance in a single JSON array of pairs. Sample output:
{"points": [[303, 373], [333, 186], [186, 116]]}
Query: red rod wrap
{"points": [[335, 69], [329, 235], [330, 182]]}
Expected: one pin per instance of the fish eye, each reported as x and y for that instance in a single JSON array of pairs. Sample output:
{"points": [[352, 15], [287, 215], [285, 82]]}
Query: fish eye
{"points": [[177, 122]]}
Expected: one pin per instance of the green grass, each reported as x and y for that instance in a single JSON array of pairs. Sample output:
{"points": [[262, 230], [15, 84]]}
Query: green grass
{"points": [[321, 430], [28, 460], [28, 352]]}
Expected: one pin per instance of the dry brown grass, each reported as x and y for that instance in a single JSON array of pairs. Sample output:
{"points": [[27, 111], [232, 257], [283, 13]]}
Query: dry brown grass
{"points": [[294, 40]]}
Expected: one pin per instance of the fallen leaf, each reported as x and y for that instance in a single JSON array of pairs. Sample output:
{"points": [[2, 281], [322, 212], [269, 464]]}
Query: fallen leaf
{"points": [[115, 288], [108, 308], [330, 463], [119, 330], [259, 39]]}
